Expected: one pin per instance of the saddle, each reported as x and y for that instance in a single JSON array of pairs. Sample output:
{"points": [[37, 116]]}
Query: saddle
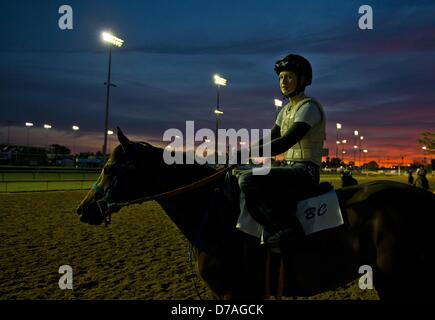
{"points": [[321, 188], [292, 228]]}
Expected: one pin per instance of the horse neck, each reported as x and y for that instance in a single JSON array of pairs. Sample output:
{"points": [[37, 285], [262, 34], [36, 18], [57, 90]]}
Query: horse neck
{"points": [[187, 210]]}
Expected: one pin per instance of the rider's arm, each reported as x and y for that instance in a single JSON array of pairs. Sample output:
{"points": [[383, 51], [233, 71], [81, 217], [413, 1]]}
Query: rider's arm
{"points": [[274, 134], [305, 118], [281, 144]]}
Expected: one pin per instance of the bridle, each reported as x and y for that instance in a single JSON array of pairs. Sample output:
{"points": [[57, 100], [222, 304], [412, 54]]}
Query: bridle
{"points": [[107, 207]]}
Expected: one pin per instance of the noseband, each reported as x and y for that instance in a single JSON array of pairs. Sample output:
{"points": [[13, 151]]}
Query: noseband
{"points": [[107, 207]]}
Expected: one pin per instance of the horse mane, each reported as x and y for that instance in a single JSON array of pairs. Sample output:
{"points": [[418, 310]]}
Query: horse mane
{"points": [[208, 170], [146, 144]]}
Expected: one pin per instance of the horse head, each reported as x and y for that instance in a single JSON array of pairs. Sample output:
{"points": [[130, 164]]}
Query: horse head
{"points": [[130, 173]]}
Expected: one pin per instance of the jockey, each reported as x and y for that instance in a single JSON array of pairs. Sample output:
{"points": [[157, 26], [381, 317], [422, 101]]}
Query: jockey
{"points": [[347, 179], [299, 133]]}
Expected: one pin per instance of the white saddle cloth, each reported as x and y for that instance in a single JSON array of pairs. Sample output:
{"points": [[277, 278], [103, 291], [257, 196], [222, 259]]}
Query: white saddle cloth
{"points": [[315, 214]]}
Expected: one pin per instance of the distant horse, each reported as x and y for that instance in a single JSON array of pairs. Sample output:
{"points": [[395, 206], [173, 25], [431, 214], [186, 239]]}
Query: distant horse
{"points": [[387, 226], [347, 180]]}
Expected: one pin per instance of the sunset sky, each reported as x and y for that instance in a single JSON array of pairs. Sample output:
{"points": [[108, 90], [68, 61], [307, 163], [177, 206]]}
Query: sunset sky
{"points": [[379, 82]]}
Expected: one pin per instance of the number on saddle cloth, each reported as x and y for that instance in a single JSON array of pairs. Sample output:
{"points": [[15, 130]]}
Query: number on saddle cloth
{"points": [[289, 204]]}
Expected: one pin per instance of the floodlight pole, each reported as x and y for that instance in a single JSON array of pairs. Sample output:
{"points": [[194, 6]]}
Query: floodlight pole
{"points": [[106, 121], [217, 128]]}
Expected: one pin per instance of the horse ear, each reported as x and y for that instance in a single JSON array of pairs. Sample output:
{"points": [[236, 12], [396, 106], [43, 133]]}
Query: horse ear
{"points": [[123, 140]]}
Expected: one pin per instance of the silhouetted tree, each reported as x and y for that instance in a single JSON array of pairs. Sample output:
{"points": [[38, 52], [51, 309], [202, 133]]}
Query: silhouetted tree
{"points": [[372, 165], [335, 162], [59, 149]]}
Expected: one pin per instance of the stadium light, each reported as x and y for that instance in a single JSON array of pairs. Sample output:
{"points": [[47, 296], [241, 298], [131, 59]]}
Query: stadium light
{"points": [[28, 126], [76, 129], [338, 126], [219, 81], [355, 146], [343, 142], [47, 126], [278, 105], [109, 132], [111, 39]]}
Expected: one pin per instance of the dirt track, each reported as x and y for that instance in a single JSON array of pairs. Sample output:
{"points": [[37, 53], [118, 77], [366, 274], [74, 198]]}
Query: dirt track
{"points": [[142, 255]]}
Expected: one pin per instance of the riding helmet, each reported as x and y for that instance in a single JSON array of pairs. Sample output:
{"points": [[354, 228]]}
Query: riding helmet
{"points": [[298, 65]]}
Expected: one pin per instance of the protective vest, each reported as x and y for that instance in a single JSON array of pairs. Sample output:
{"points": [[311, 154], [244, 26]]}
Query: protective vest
{"points": [[310, 148]]}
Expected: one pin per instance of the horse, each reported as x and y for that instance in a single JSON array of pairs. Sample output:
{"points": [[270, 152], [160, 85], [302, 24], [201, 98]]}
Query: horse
{"points": [[347, 179], [387, 226]]}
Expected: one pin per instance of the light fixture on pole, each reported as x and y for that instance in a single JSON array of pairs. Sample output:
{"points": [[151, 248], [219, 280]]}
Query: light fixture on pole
{"points": [[117, 42], [338, 126], [219, 81], [424, 148], [361, 138], [278, 105], [75, 129], [354, 154], [28, 126], [355, 147], [343, 142], [364, 156], [109, 132], [47, 127]]}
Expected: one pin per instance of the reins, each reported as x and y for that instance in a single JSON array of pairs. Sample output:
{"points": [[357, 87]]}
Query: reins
{"points": [[107, 208]]}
